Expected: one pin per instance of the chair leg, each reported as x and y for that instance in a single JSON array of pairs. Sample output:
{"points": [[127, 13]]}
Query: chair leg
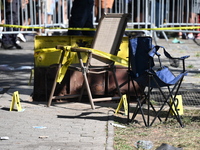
{"points": [[88, 90], [175, 112], [54, 86], [139, 108]]}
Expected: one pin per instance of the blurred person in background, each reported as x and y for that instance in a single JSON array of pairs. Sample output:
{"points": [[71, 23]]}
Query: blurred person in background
{"points": [[191, 6], [184, 11], [24, 22], [102, 6], [2, 17], [81, 17], [12, 8]]}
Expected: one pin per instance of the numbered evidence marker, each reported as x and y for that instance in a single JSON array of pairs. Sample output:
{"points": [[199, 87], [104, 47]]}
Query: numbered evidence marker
{"points": [[123, 101], [16, 101], [177, 105]]}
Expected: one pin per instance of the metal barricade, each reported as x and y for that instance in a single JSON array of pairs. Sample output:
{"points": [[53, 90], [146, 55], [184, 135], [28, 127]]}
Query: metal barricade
{"points": [[32, 16], [178, 13]]}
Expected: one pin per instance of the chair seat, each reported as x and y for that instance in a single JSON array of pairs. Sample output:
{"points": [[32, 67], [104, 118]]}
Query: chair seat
{"points": [[165, 77]]}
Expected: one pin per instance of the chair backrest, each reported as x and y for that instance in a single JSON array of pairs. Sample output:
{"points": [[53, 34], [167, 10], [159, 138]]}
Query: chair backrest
{"points": [[109, 35], [139, 57]]}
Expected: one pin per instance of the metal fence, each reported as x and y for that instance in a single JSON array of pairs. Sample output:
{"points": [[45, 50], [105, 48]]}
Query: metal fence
{"points": [[31, 15]]}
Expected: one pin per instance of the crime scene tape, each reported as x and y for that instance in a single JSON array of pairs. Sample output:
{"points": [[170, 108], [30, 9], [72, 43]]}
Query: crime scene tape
{"points": [[121, 61], [63, 69], [93, 29], [65, 66]]}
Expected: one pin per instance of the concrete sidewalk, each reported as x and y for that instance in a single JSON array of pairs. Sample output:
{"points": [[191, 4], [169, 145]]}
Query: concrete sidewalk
{"points": [[61, 126], [68, 126], [64, 125]]}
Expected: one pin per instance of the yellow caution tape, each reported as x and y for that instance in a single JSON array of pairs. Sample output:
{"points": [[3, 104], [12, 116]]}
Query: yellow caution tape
{"points": [[121, 61], [168, 28], [42, 27], [64, 68], [93, 29]]}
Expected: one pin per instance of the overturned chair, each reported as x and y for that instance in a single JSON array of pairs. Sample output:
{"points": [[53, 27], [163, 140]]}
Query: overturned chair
{"points": [[149, 73], [100, 57]]}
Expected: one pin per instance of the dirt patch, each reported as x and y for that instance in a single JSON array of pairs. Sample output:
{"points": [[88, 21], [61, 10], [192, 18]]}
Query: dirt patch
{"points": [[169, 132]]}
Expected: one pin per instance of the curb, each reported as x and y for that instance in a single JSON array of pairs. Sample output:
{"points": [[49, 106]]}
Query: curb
{"points": [[110, 131]]}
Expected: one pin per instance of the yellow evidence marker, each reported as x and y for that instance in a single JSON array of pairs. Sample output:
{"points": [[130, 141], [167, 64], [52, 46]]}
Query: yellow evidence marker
{"points": [[123, 101], [16, 100], [178, 105]]}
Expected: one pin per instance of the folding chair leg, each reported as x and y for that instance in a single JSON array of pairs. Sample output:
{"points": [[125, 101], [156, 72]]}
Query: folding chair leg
{"points": [[155, 111], [135, 112], [53, 87], [175, 112], [51, 95], [139, 108], [55, 80], [88, 90]]}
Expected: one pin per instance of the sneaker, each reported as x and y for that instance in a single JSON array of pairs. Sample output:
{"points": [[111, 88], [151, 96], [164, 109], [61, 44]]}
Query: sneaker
{"points": [[184, 36], [18, 46], [1, 29], [190, 36], [17, 41], [21, 37]]}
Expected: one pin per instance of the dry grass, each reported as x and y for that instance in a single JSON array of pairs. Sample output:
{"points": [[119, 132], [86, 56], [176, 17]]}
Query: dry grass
{"points": [[169, 132]]}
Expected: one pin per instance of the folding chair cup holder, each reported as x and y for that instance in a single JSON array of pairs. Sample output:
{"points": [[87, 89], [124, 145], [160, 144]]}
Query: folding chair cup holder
{"points": [[147, 70], [104, 41]]}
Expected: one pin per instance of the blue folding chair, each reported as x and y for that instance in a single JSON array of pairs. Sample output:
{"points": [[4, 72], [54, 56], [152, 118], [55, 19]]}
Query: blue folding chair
{"points": [[143, 73]]}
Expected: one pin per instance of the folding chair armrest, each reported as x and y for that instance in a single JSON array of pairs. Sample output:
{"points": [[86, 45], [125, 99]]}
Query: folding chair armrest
{"points": [[91, 51], [62, 47], [185, 57], [181, 58], [78, 49], [106, 56]]}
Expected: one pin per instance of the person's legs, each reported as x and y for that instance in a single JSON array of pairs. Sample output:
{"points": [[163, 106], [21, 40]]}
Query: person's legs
{"points": [[189, 15], [102, 7], [80, 13], [7, 39], [89, 19]]}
